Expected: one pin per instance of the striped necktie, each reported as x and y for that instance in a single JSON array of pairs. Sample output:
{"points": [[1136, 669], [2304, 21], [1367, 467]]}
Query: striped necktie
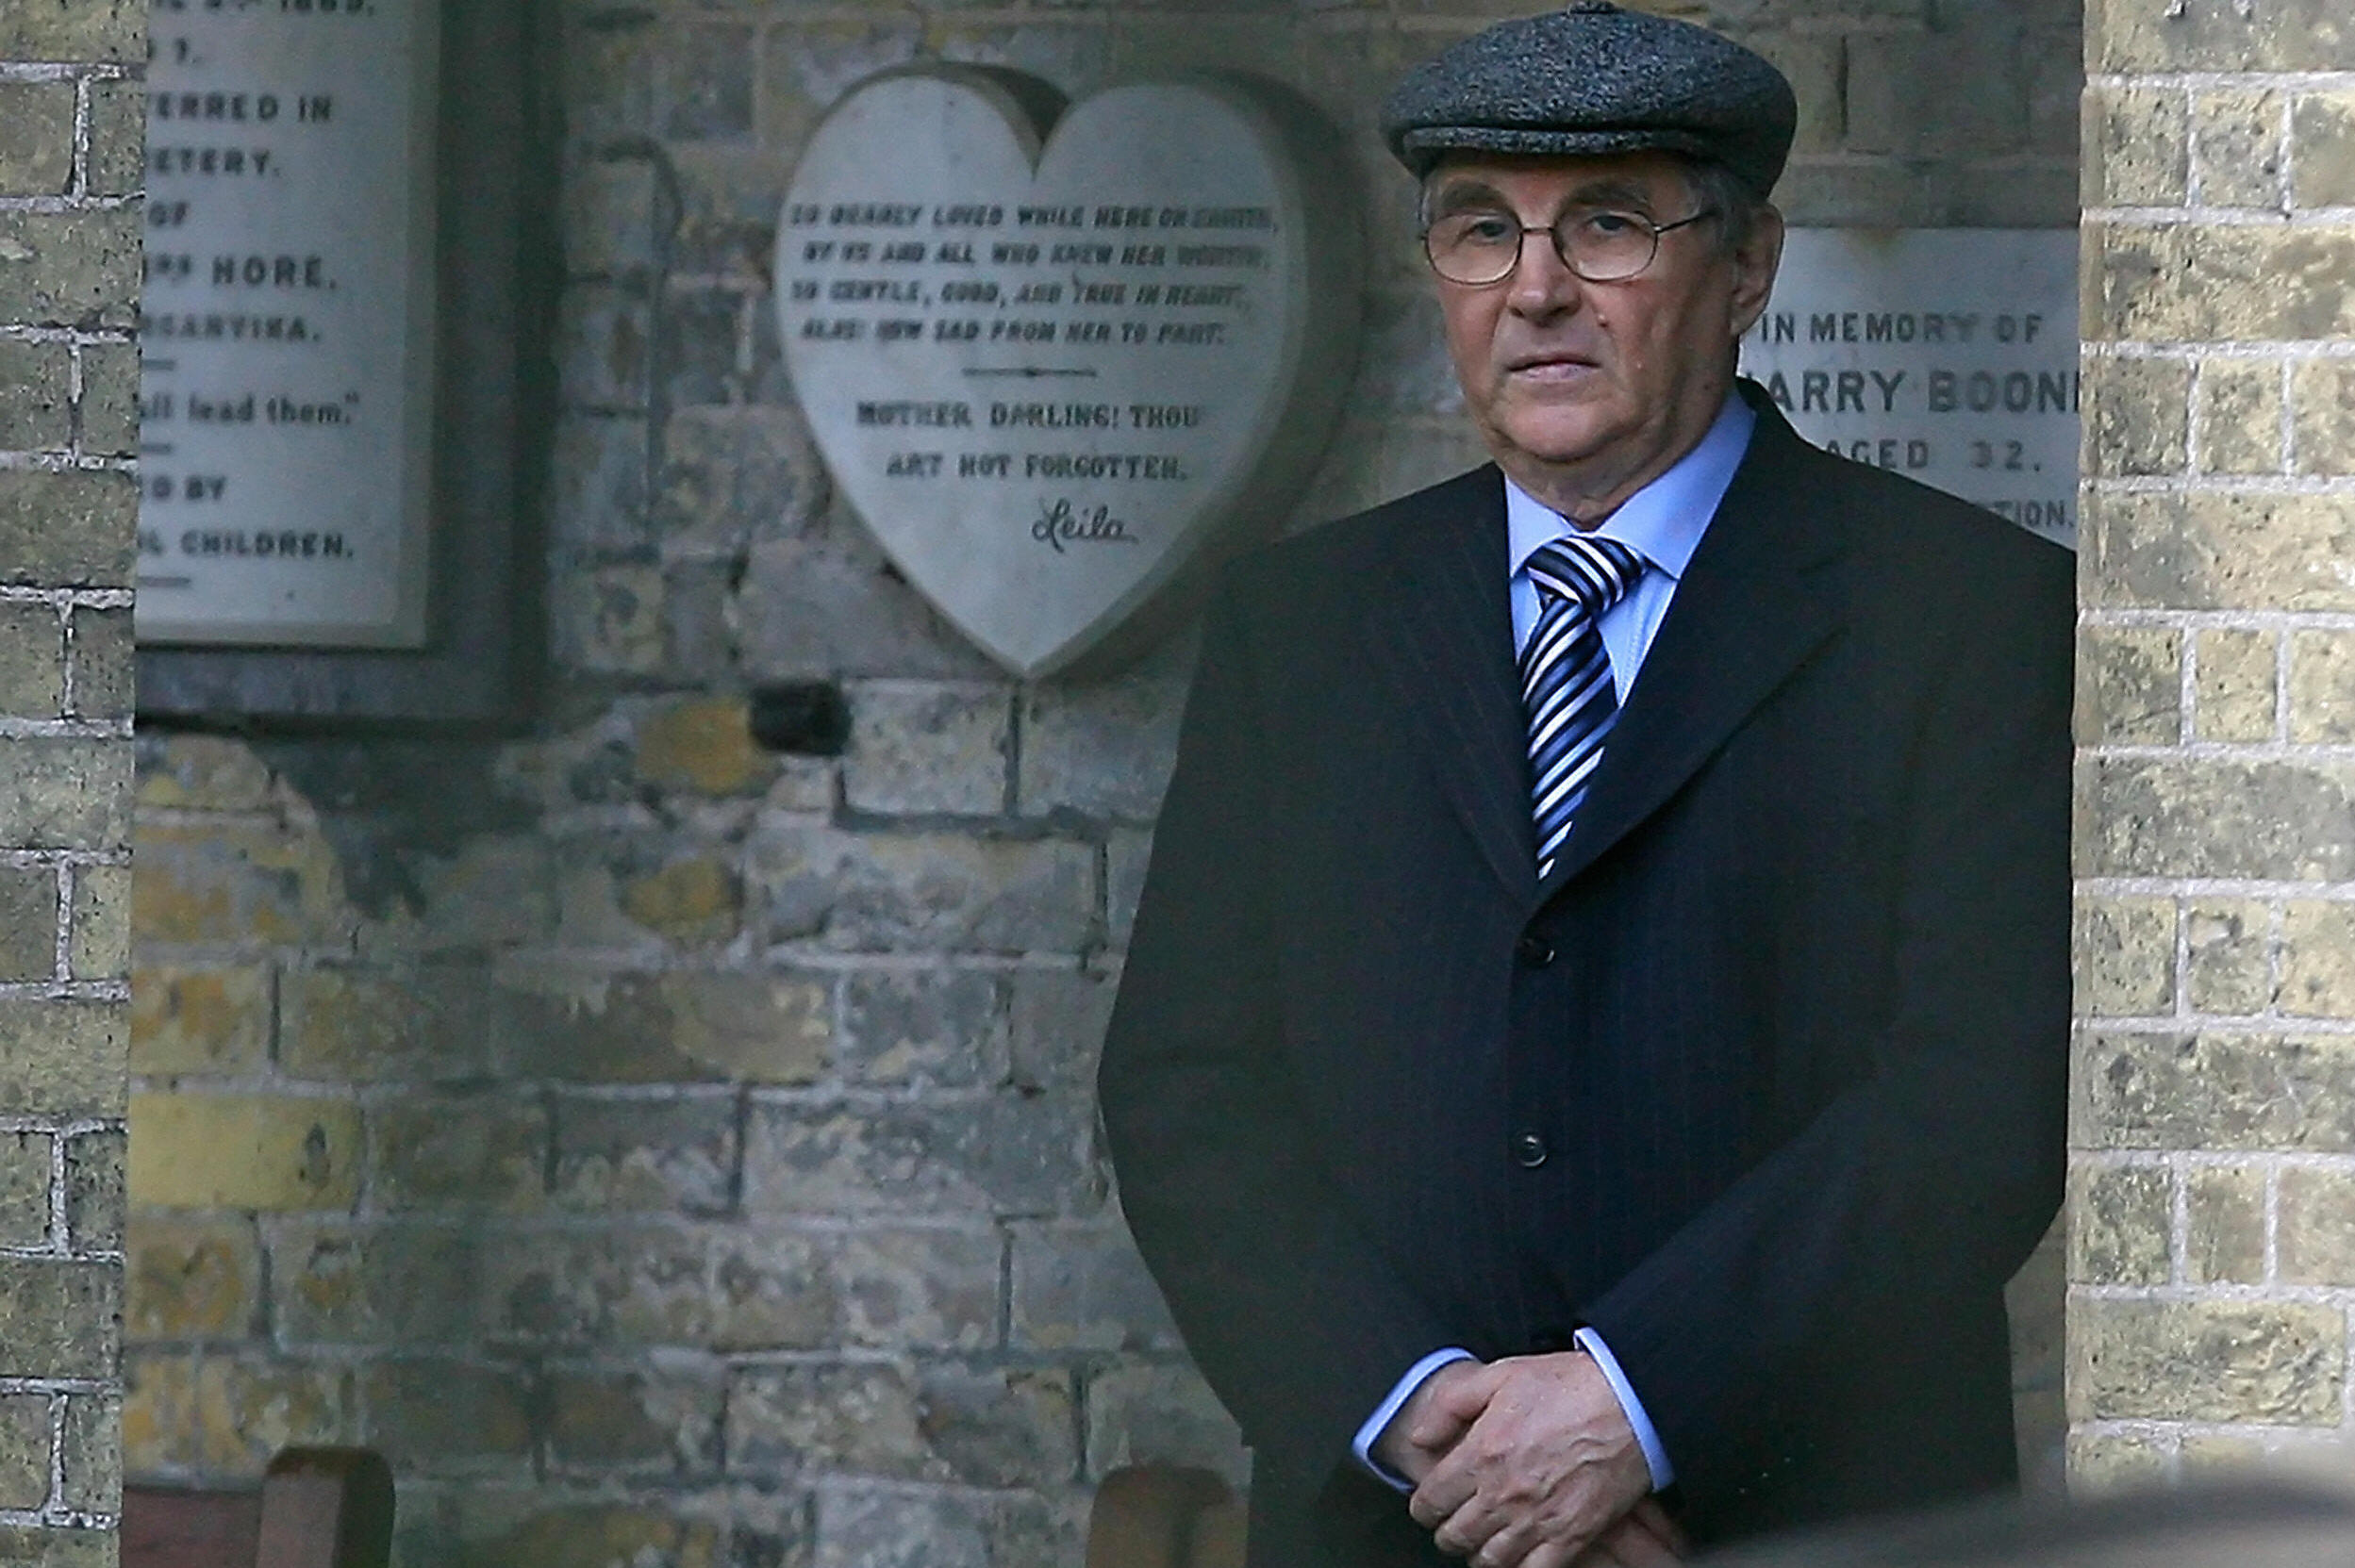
{"points": [[1565, 675]]}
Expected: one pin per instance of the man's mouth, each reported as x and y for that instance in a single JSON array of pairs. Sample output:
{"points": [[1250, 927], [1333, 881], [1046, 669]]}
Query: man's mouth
{"points": [[1548, 366]]}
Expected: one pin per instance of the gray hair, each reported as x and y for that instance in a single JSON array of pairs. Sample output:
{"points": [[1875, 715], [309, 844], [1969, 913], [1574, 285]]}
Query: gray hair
{"points": [[1739, 206]]}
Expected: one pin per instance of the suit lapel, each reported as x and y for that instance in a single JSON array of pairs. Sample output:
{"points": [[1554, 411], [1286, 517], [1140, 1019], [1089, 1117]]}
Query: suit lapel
{"points": [[1441, 631], [1760, 595]]}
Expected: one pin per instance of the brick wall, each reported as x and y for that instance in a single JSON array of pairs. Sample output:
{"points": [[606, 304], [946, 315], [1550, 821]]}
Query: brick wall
{"points": [[673, 1153], [71, 142], [2210, 1264]]}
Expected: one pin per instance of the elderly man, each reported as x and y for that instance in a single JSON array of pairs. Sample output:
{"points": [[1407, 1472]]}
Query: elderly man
{"points": [[1593, 1047]]}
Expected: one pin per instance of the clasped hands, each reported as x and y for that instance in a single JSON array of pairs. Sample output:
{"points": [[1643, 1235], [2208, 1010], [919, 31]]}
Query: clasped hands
{"points": [[1529, 1462]]}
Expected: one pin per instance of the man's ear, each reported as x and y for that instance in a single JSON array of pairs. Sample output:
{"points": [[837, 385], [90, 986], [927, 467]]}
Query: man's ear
{"points": [[1755, 262]]}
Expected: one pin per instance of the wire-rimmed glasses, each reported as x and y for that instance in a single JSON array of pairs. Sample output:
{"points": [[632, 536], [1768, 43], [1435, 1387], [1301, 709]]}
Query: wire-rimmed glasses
{"points": [[1483, 245]]}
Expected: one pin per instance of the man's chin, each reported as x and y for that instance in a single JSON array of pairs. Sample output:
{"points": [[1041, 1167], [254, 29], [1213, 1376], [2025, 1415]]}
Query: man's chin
{"points": [[1560, 423], [1559, 443]]}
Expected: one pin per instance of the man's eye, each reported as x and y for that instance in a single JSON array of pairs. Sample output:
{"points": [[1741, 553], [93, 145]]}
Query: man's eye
{"points": [[1487, 228], [1612, 225]]}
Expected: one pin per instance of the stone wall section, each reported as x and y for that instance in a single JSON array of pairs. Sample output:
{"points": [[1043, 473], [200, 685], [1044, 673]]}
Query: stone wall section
{"points": [[2212, 1261], [673, 1153], [71, 148]]}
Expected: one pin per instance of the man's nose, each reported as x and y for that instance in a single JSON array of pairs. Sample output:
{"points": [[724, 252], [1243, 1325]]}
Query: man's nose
{"points": [[1542, 284]]}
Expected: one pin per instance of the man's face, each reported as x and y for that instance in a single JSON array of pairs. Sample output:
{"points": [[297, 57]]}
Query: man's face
{"points": [[1585, 391]]}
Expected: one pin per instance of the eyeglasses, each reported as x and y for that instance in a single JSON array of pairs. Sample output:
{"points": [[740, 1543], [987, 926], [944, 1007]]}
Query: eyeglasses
{"points": [[1484, 246]]}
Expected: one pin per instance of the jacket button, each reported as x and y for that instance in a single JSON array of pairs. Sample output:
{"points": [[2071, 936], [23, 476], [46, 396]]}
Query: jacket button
{"points": [[1533, 951], [1529, 1151]]}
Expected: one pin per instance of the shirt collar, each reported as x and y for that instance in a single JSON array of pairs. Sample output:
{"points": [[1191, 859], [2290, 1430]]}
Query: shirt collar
{"points": [[1665, 519]]}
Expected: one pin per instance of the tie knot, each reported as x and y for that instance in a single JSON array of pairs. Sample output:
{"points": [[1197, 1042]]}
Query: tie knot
{"points": [[1595, 571]]}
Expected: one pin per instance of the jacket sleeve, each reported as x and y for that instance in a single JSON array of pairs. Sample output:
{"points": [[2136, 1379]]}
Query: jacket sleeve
{"points": [[1289, 1310], [1930, 1181]]}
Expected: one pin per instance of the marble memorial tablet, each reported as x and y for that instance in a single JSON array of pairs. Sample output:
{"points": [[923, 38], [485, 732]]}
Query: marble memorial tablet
{"points": [[1059, 368], [285, 329], [1945, 354]]}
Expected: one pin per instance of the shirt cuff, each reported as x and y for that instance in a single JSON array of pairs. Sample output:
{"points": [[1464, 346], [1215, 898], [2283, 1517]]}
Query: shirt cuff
{"points": [[1655, 1457], [1370, 1433]]}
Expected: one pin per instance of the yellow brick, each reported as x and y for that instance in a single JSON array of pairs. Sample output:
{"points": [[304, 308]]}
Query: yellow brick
{"points": [[2119, 1217], [2322, 391], [226, 1418], [63, 1057], [2219, 551], [2275, 1361], [2317, 1225], [243, 1151], [2322, 687], [2125, 957], [2103, 1464], [25, 1455], [2234, 696], [688, 900], [2240, 416], [2219, 35], [2236, 147], [100, 946], [2130, 685], [2169, 816], [2219, 283], [189, 1280], [2220, 1455], [2323, 126], [235, 881], [703, 745], [2136, 146], [199, 1020], [2229, 953], [2318, 960], [73, 30], [2225, 1239], [2220, 1090], [37, 154], [2140, 412]]}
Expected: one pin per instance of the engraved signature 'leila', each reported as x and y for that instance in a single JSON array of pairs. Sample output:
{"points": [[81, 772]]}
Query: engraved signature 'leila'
{"points": [[1061, 524]]}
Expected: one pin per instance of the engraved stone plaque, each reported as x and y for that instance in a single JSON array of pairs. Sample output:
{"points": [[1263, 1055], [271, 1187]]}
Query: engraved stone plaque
{"points": [[1059, 364], [1946, 355], [286, 332]]}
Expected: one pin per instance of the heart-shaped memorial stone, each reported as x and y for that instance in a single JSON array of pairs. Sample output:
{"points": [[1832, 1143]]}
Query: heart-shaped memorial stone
{"points": [[1061, 374]]}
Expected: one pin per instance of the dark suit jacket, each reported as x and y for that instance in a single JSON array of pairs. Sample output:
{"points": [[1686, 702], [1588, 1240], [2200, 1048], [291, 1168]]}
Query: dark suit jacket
{"points": [[1789, 1019]]}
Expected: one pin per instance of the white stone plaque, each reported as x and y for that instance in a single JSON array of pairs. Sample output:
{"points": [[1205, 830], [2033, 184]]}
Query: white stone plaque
{"points": [[286, 333], [1057, 371], [1946, 355]]}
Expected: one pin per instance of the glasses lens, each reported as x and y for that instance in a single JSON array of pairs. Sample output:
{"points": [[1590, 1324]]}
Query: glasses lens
{"points": [[1606, 247], [1474, 247]]}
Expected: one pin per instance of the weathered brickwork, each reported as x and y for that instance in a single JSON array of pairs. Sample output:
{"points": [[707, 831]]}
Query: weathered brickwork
{"points": [[2214, 1165], [673, 1153], [70, 140]]}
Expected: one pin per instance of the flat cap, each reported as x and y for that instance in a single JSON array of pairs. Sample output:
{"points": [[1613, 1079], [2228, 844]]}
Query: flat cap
{"points": [[1594, 79]]}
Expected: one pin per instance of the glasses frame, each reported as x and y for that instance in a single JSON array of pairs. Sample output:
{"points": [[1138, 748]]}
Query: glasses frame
{"points": [[1553, 232]]}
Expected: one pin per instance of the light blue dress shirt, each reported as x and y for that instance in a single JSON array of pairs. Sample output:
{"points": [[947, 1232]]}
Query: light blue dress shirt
{"points": [[1663, 522]]}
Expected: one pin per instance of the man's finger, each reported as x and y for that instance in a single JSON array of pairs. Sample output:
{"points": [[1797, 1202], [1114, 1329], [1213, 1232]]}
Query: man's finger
{"points": [[1467, 1531], [1634, 1545], [1662, 1525], [1447, 1414], [1443, 1492], [1451, 1483], [1462, 1397], [1435, 1432]]}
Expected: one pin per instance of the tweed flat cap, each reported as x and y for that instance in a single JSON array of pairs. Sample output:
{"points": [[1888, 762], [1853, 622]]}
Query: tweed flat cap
{"points": [[1592, 79]]}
